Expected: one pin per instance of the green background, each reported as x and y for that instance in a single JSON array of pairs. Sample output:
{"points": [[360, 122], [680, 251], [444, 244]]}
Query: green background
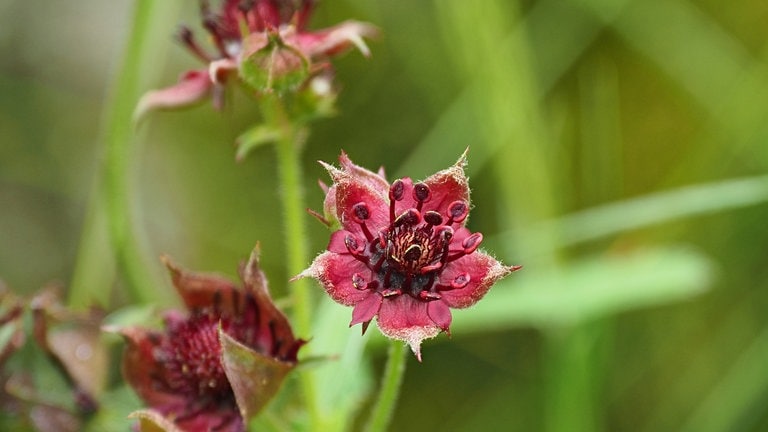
{"points": [[617, 151]]}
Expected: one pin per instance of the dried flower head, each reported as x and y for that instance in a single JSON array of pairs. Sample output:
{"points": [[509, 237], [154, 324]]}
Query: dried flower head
{"points": [[217, 365], [403, 253]]}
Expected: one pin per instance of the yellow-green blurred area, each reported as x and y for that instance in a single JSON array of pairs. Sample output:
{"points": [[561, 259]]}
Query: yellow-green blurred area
{"points": [[617, 149]]}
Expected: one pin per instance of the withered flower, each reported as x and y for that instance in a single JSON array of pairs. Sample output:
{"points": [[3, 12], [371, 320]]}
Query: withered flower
{"points": [[217, 365]]}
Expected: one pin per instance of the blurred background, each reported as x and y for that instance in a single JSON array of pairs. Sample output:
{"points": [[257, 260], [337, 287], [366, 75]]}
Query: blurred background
{"points": [[617, 151]]}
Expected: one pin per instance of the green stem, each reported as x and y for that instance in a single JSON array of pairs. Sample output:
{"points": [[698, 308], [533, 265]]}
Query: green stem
{"points": [[390, 388], [111, 201], [289, 147]]}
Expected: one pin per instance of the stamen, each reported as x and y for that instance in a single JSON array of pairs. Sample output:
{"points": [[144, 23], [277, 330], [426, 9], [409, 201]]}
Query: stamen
{"points": [[433, 218], [359, 282], [459, 211], [361, 213], [428, 268], [410, 217], [413, 253], [460, 281], [188, 39], [421, 194], [429, 296], [471, 243], [352, 246], [395, 194], [210, 23]]}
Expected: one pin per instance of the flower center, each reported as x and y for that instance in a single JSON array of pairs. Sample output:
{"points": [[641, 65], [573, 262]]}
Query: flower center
{"points": [[192, 358], [409, 254]]}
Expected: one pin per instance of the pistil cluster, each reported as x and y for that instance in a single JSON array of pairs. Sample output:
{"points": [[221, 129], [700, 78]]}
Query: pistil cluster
{"points": [[410, 253]]}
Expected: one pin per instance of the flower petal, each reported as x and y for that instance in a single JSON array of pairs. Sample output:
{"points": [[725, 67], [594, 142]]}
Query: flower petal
{"points": [[440, 314], [193, 86], [447, 186], [405, 318], [334, 40], [277, 336], [352, 186], [366, 309], [141, 369], [203, 290], [335, 272], [483, 271]]}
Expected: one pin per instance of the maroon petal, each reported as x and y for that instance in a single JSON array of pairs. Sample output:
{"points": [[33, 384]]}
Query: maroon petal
{"points": [[447, 186], [194, 86], [333, 40], [365, 310], [350, 189], [277, 336], [140, 368], [203, 290], [406, 319], [440, 314], [335, 272], [483, 271]]}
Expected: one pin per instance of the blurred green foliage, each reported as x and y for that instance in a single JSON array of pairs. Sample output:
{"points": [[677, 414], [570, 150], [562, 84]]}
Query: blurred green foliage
{"points": [[617, 151]]}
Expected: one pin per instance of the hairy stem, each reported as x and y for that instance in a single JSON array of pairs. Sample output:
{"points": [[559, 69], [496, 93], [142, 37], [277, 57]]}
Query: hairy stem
{"points": [[292, 138], [381, 413], [110, 210]]}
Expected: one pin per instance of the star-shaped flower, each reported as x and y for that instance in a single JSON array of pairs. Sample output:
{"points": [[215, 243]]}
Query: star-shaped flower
{"points": [[217, 365], [403, 254]]}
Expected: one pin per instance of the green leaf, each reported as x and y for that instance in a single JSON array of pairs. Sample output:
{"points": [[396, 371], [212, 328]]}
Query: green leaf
{"points": [[153, 421], [343, 383], [588, 289], [255, 377]]}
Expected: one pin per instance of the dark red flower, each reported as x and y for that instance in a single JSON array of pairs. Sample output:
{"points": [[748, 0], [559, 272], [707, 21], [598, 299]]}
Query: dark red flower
{"points": [[217, 365], [264, 42], [402, 253]]}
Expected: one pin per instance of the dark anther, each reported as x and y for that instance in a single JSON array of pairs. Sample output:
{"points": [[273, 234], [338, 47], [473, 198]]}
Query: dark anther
{"points": [[421, 192], [458, 210], [472, 242], [433, 218], [396, 190], [413, 253], [410, 217], [351, 244], [360, 212], [359, 282], [445, 233], [460, 281]]}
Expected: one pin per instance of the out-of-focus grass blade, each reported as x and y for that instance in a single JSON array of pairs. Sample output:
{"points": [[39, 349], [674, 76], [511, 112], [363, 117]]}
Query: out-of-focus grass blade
{"points": [[738, 391], [653, 209], [588, 289], [345, 380]]}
